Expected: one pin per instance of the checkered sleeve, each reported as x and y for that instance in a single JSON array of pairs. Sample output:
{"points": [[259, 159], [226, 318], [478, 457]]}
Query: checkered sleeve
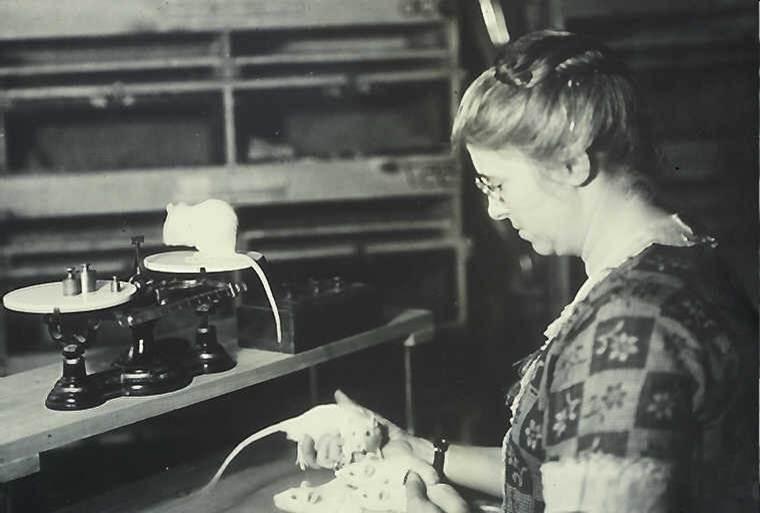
{"points": [[624, 395]]}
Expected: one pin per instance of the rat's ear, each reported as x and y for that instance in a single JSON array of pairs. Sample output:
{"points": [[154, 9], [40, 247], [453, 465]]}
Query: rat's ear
{"points": [[169, 207]]}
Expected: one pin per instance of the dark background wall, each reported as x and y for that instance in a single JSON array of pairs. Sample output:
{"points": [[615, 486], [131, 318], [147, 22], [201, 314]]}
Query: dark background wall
{"points": [[696, 64]]}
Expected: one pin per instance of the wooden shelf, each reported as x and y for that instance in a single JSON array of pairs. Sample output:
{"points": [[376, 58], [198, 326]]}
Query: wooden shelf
{"points": [[290, 82], [30, 428], [123, 191], [50, 18], [115, 266], [99, 67], [347, 229], [215, 86], [106, 240], [342, 56]]}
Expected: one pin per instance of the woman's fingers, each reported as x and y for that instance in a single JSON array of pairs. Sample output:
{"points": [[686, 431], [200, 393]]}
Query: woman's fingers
{"points": [[447, 498], [424, 471], [397, 448], [416, 496], [437, 498], [329, 450]]}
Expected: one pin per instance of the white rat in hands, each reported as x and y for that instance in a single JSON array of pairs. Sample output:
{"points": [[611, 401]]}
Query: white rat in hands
{"points": [[358, 432], [211, 227]]}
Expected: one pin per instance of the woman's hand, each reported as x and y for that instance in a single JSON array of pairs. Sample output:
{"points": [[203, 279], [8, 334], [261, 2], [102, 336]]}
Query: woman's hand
{"points": [[438, 498]]}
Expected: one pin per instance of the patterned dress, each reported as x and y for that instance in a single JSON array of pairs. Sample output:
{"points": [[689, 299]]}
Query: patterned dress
{"points": [[659, 364]]}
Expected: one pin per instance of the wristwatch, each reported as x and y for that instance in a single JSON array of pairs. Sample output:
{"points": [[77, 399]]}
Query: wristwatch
{"points": [[440, 445]]}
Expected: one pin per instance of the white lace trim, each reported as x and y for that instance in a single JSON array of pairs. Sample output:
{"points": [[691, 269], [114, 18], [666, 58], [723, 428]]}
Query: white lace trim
{"points": [[504, 449], [602, 483], [670, 231]]}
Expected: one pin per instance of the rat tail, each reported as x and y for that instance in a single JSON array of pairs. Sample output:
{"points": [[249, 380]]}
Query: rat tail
{"points": [[258, 435], [270, 297]]}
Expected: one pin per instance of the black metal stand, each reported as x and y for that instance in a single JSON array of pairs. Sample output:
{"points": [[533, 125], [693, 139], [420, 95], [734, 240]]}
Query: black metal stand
{"points": [[150, 366], [210, 356], [145, 370], [75, 390]]}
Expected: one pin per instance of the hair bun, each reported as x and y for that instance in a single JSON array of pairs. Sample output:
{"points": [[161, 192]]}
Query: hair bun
{"points": [[589, 60], [533, 58], [509, 74]]}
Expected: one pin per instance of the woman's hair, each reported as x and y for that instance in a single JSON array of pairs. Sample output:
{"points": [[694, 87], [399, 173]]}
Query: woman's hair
{"points": [[553, 95]]}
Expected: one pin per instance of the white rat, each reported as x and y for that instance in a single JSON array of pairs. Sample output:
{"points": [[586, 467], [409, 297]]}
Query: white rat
{"points": [[211, 227], [358, 432]]}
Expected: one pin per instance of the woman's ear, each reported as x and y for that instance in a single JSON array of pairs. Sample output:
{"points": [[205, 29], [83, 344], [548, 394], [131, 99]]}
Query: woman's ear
{"points": [[576, 171]]}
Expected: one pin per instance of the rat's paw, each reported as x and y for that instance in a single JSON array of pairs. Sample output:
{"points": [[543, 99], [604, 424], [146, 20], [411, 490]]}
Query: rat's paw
{"points": [[306, 455]]}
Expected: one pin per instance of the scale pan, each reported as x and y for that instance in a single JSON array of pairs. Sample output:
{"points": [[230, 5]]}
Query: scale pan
{"points": [[192, 261], [46, 297]]}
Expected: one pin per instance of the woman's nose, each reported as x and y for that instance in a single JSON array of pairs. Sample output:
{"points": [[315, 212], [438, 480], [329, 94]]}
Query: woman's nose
{"points": [[497, 210]]}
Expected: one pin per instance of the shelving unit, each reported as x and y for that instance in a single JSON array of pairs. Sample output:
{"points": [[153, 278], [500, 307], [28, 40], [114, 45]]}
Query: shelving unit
{"points": [[325, 124]]}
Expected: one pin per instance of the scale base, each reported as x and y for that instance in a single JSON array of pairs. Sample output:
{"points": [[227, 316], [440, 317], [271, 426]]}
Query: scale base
{"points": [[150, 374], [75, 393], [211, 356]]}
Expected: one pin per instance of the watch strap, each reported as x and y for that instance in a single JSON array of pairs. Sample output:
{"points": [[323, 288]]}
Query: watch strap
{"points": [[440, 446]]}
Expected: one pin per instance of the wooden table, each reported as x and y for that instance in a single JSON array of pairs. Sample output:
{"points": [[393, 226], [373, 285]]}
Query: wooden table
{"points": [[245, 488], [28, 428]]}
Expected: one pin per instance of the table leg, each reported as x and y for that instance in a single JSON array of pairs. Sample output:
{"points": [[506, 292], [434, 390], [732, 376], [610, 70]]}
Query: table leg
{"points": [[409, 344], [5, 498], [3, 343], [22, 496], [313, 385]]}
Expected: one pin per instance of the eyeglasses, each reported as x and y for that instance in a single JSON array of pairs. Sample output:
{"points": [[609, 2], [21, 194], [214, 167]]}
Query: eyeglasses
{"points": [[487, 187]]}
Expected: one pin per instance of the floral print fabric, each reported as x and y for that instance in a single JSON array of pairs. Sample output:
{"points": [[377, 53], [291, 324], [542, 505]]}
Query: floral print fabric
{"points": [[656, 362]]}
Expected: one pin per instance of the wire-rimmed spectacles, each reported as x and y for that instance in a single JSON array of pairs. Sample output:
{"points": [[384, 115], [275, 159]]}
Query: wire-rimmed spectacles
{"points": [[487, 187]]}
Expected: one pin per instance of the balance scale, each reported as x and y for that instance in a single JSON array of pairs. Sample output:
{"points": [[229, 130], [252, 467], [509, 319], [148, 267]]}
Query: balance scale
{"points": [[149, 366]]}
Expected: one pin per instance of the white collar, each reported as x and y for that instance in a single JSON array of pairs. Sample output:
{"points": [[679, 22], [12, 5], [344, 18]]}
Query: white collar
{"points": [[669, 231], [620, 246]]}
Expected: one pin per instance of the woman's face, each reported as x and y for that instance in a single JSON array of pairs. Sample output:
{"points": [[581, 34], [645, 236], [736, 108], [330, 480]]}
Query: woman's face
{"points": [[541, 210]]}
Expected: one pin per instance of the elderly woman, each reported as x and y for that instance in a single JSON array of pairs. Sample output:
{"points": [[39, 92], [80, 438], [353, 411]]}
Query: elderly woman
{"points": [[642, 399]]}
